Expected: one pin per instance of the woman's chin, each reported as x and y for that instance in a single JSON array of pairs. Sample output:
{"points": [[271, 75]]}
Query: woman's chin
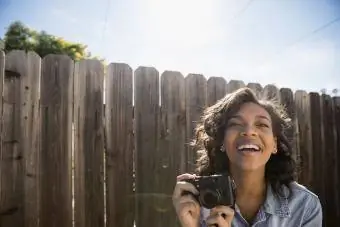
{"points": [[250, 166]]}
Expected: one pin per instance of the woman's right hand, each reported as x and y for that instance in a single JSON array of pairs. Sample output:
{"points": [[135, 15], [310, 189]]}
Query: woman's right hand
{"points": [[187, 208]]}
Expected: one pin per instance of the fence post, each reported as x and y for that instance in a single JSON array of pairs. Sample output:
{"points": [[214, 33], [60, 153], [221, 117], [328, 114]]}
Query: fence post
{"points": [[2, 78], [270, 92], [147, 144], [119, 144], [171, 156], [304, 138], [56, 141], [216, 89], [89, 144], [256, 87], [336, 103], [318, 148], [195, 102], [287, 100], [20, 150], [330, 164], [12, 179], [233, 85]]}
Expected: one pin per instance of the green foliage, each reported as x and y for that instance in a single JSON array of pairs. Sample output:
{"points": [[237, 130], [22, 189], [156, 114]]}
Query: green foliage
{"points": [[20, 37]]}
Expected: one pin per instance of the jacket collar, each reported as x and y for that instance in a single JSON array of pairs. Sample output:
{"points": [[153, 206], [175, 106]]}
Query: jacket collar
{"points": [[277, 204]]}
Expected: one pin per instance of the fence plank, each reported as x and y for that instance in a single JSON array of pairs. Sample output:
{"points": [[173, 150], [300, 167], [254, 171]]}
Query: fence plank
{"points": [[171, 155], [336, 101], [147, 144], [12, 179], [256, 87], [304, 136], [2, 79], [287, 100], [216, 88], [31, 130], [271, 92], [56, 134], [119, 146], [330, 160], [318, 148], [196, 102], [22, 77], [89, 144], [233, 85], [2, 161]]}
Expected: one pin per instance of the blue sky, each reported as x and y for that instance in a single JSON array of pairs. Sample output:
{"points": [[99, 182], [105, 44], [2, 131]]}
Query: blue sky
{"points": [[264, 41]]}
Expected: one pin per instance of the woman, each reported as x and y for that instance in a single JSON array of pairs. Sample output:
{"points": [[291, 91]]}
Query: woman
{"points": [[246, 137]]}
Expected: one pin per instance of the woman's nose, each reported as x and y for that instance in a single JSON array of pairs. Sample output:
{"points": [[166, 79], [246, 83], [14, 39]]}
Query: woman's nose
{"points": [[248, 131]]}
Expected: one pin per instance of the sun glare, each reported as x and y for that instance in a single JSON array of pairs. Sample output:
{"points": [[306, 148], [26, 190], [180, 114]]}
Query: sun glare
{"points": [[182, 23]]}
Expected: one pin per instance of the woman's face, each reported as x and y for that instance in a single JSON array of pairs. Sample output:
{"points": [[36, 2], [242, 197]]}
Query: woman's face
{"points": [[249, 140]]}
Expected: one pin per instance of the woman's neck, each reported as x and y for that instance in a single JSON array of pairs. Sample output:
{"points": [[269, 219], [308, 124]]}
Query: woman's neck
{"points": [[250, 192], [249, 183]]}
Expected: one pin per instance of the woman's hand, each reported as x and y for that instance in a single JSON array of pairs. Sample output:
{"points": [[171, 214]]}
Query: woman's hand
{"points": [[187, 208], [220, 216]]}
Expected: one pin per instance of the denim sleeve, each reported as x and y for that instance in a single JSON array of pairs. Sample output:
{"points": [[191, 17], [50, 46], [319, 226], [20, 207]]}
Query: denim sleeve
{"points": [[202, 221], [313, 215], [202, 224]]}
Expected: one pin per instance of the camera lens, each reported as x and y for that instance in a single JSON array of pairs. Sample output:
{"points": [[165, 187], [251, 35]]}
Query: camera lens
{"points": [[209, 198]]}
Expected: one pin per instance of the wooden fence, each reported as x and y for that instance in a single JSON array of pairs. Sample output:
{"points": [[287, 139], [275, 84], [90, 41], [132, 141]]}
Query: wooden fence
{"points": [[67, 159]]}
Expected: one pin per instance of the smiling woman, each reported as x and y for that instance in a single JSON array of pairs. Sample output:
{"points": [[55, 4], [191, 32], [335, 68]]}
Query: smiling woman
{"points": [[244, 137]]}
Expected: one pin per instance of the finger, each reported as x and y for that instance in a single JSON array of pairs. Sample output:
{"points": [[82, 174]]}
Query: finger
{"points": [[223, 209], [226, 212], [186, 202], [187, 199], [181, 187], [185, 176], [216, 220]]}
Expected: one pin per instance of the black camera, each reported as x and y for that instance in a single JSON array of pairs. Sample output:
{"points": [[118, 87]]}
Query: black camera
{"points": [[214, 190]]}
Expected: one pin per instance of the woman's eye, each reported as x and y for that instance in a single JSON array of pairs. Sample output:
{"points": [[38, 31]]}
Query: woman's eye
{"points": [[264, 125], [234, 124]]}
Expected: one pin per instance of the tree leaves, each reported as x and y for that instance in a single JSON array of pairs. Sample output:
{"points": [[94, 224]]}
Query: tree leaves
{"points": [[20, 37]]}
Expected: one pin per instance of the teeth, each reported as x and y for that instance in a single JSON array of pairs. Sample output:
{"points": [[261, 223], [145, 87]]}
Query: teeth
{"points": [[248, 146]]}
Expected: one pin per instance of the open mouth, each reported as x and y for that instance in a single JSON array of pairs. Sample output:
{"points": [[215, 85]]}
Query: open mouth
{"points": [[251, 148]]}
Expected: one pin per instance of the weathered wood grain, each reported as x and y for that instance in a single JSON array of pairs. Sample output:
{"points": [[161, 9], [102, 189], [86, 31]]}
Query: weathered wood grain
{"points": [[304, 138], [216, 89], [318, 146], [330, 165], [233, 85], [171, 156], [336, 103], [119, 144], [147, 119], [256, 87], [56, 141], [271, 92], [89, 144], [20, 139], [12, 177], [195, 102]]}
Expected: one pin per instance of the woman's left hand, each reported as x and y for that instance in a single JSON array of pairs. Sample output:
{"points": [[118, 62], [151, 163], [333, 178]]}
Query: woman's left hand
{"points": [[220, 216]]}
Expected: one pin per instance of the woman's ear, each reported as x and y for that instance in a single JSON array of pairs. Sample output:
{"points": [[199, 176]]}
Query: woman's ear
{"points": [[275, 145]]}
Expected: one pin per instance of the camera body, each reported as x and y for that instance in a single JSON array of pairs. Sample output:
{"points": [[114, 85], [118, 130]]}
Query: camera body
{"points": [[214, 190]]}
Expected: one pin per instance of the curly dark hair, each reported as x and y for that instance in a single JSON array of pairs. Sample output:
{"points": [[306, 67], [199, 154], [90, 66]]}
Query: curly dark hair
{"points": [[281, 167]]}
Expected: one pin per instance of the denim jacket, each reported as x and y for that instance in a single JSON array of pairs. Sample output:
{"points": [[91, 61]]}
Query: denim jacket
{"points": [[302, 208]]}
